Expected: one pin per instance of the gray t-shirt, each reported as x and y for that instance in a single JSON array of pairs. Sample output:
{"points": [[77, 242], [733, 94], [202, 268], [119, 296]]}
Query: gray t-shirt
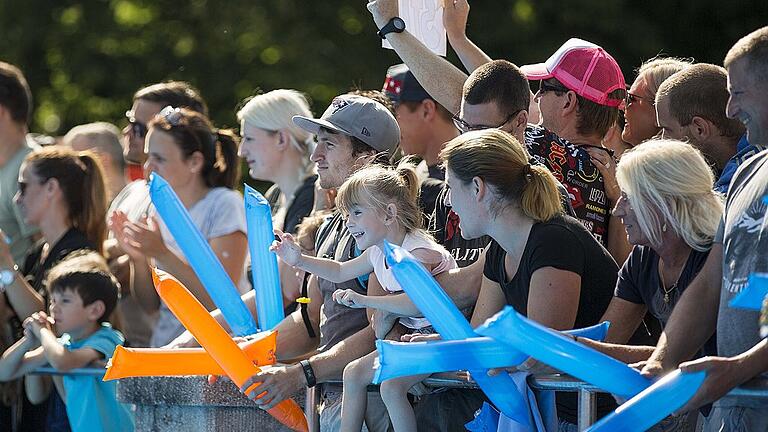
{"points": [[11, 220], [744, 235], [219, 213], [337, 322]]}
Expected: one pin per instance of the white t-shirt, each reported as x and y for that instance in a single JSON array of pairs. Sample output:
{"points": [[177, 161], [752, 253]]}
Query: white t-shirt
{"points": [[425, 250], [219, 213]]}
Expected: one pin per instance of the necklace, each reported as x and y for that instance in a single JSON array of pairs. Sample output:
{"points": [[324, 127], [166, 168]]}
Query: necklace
{"points": [[673, 287]]}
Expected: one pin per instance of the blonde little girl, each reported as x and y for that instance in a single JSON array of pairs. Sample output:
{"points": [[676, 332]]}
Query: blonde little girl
{"points": [[380, 204]]}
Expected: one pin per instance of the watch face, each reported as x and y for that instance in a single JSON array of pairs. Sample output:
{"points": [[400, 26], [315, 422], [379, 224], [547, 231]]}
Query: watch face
{"points": [[6, 277], [399, 24]]}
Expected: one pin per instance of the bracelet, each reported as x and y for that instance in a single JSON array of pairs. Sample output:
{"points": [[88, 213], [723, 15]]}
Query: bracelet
{"points": [[309, 373]]}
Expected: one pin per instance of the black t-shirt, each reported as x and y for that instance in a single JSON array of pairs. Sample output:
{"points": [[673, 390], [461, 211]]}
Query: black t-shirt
{"points": [[563, 243], [301, 207], [573, 167], [35, 270], [444, 226], [436, 172], [639, 281]]}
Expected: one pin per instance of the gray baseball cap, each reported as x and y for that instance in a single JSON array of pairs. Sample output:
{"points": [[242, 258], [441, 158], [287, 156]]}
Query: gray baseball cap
{"points": [[357, 116]]}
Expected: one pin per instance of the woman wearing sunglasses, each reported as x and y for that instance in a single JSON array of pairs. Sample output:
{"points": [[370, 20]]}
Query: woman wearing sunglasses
{"points": [[63, 193], [639, 106], [201, 165]]}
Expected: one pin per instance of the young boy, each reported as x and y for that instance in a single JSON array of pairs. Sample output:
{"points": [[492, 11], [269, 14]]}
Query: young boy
{"points": [[82, 295]]}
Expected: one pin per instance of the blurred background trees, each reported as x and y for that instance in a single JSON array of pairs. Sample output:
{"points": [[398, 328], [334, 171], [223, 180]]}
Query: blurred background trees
{"points": [[85, 59]]}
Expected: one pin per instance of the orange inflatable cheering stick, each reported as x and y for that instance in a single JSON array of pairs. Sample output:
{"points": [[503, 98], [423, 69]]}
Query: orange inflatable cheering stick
{"points": [[136, 362], [219, 344]]}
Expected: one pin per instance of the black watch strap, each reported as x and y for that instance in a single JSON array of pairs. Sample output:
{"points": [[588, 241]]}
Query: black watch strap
{"points": [[395, 25], [309, 373]]}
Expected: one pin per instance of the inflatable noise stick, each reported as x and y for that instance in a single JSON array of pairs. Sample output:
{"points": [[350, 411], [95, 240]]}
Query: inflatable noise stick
{"points": [[215, 340], [136, 362], [398, 359], [563, 353], [200, 257], [265, 276], [653, 404], [445, 317]]}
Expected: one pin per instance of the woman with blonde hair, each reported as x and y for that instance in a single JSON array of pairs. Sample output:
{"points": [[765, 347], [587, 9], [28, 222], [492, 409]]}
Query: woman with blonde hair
{"points": [[540, 261], [640, 106], [670, 214], [277, 151]]}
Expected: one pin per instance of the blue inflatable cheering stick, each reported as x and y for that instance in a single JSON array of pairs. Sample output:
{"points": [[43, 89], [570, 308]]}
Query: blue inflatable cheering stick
{"points": [[445, 317], [398, 359], [653, 404], [200, 257], [563, 353], [264, 273]]}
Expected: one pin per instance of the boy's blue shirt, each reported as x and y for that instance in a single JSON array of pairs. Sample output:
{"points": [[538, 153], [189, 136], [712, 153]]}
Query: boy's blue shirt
{"points": [[92, 403]]}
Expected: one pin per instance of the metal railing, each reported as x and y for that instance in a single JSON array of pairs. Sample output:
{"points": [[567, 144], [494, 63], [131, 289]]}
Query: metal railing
{"points": [[587, 393]]}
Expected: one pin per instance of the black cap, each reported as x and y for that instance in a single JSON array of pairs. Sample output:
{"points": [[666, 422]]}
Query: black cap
{"points": [[401, 86]]}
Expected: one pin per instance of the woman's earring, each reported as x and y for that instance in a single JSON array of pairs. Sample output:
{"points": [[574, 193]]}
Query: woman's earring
{"points": [[664, 227]]}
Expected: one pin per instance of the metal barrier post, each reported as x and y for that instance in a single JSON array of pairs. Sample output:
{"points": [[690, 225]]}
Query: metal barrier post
{"points": [[587, 411], [310, 409]]}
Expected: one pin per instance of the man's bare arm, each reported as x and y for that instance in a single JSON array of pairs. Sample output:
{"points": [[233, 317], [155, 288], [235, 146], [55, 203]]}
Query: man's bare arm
{"points": [[442, 80]]}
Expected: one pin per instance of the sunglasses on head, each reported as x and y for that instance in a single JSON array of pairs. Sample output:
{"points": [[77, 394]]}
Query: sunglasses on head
{"points": [[138, 128], [172, 115]]}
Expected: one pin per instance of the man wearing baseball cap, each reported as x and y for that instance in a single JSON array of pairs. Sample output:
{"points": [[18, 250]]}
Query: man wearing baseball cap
{"points": [[352, 132], [425, 125]]}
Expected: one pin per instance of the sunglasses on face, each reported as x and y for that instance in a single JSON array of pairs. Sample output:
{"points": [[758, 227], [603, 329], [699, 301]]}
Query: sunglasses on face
{"points": [[465, 127], [633, 98], [545, 86], [138, 129]]}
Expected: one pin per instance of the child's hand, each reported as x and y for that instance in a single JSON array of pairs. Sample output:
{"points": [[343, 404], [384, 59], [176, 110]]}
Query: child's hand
{"points": [[36, 322], [286, 248], [349, 298]]}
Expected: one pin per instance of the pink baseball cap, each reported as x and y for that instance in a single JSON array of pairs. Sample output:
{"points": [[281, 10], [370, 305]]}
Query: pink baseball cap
{"points": [[584, 68]]}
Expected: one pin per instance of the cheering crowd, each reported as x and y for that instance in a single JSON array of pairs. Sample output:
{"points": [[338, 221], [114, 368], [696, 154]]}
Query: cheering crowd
{"points": [[555, 188]]}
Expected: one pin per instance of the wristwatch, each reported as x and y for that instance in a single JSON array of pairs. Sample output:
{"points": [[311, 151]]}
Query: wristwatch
{"points": [[7, 276], [395, 25], [309, 373]]}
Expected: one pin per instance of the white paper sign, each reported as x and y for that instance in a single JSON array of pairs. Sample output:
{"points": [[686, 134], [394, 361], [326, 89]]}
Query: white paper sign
{"points": [[424, 20]]}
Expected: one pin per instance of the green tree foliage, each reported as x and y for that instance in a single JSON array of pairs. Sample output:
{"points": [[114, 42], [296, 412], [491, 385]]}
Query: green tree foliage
{"points": [[85, 59]]}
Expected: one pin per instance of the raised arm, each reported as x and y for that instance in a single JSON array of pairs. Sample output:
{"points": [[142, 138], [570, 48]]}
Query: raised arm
{"points": [[455, 14], [290, 252], [442, 80]]}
